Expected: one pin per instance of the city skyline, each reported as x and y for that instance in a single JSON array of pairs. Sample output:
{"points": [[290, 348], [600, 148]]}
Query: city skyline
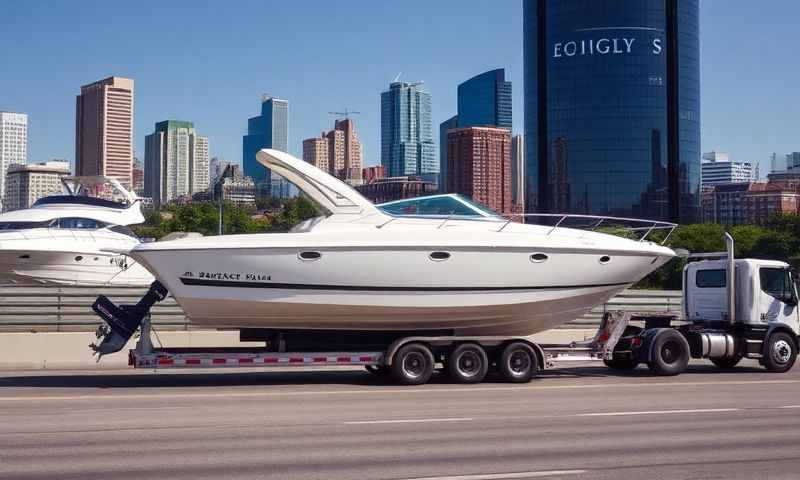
{"points": [[727, 125]]}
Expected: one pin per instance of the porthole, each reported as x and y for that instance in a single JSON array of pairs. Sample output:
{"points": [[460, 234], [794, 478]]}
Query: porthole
{"points": [[539, 258], [78, 258], [309, 256], [439, 256], [605, 259]]}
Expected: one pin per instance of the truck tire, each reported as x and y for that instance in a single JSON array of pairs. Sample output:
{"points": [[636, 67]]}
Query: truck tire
{"points": [[727, 362], [669, 353], [518, 363], [622, 364], [413, 364], [781, 352], [467, 363]]}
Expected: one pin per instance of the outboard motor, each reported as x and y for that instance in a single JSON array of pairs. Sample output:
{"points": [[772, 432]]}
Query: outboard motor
{"points": [[122, 321]]}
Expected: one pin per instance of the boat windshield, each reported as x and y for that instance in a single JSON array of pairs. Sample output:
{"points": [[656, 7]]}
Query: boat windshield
{"points": [[444, 206], [24, 225]]}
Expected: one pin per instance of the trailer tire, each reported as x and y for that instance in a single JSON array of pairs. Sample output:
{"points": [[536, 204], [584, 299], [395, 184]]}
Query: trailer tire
{"points": [[727, 362], [669, 353], [518, 363], [467, 363], [780, 353], [413, 364]]}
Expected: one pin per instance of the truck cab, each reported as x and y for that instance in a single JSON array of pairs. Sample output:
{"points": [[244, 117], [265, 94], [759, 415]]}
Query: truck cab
{"points": [[765, 297]]}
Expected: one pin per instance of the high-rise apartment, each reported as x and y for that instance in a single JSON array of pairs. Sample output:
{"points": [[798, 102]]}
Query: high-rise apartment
{"points": [[407, 146], [337, 152], [479, 165], [718, 169], [13, 144], [315, 152], [268, 130], [104, 129], [176, 162], [27, 183]]}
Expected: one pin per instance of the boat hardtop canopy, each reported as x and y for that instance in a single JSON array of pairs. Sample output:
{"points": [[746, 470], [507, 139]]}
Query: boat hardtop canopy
{"points": [[328, 191], [75, 202]]}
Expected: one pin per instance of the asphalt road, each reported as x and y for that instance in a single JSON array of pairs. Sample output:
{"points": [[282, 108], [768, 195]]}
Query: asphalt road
{"points": [[577, 423]]}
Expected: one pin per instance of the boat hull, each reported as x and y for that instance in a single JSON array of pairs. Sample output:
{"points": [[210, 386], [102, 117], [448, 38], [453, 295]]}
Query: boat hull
{"points": [[473, 291], [27, 267]]}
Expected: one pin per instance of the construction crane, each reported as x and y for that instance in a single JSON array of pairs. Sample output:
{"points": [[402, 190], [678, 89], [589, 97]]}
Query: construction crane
{"points": [[346, 114]]}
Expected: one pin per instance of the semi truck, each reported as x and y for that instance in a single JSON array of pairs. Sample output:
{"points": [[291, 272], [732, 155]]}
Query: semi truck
{"points": [[732, 309]]}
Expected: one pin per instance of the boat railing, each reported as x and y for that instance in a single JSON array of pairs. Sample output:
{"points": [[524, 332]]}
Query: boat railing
{"points": [[639, 228]]}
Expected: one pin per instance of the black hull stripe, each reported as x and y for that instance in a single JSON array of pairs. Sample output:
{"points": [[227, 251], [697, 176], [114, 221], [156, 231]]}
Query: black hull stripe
{"points": [[301, 286]]}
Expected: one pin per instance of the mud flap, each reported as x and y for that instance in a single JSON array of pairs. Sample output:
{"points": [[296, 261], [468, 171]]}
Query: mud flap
{"points": [[122, 321]]}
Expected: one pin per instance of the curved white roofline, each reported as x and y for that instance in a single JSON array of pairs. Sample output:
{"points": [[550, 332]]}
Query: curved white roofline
{"points": [[331, 193]]}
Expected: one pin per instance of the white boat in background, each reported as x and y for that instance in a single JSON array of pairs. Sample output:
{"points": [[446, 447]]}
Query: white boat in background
{"points": [[437, 263], [70, 239]]}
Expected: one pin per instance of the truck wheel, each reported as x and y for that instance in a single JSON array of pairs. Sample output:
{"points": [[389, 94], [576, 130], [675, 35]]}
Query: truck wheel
{"points": [[467, 363], [518, 363], [781, 352], [727, 362], [620, 363], [669, 353], [413, 364]]}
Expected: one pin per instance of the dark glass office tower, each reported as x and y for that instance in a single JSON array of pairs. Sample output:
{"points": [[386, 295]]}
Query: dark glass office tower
{"points": [[612, 107], [268, 130]]}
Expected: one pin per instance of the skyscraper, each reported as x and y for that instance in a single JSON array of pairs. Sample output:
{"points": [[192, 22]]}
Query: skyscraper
{"points": [[337, 152], [13, 144], [483, 101], [176, 162], [407, 146], [104, 129], [268, 130], [777, 163], [216, 168], [612, 107], [479, 165]]}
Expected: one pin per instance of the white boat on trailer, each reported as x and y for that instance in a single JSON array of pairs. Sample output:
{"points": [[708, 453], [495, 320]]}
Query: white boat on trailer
{"points": [[363, 267]]}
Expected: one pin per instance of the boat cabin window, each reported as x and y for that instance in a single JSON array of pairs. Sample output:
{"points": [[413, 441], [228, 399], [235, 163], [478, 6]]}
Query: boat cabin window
{"points": [[77, 223], [23, 225], [777, 283], [439, 206]]}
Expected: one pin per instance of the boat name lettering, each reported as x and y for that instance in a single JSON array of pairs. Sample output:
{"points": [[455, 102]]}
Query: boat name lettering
{"points": [[250, 277]]}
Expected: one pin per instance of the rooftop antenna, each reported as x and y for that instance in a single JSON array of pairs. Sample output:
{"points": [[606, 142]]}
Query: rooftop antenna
{"points": [[397, 78], [346, 114]]}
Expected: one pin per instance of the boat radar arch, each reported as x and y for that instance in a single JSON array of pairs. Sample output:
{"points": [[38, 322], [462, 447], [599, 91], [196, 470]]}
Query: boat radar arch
{"points": [[328, 191]]}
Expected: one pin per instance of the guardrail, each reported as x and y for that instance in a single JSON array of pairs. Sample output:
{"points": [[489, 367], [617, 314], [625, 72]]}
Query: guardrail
{"points": [[68, 308]]}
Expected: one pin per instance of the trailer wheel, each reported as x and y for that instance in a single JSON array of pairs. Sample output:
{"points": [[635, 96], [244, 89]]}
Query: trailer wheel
{"points": [[669, 353], [467, 363], [781, 352], [413, 364], [518, 363], [727, 362]]}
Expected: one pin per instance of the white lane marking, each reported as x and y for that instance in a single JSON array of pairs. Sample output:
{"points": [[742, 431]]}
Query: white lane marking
{"points": [[388, 391], [506, 476], [658, 412], [790, 406], [409, 420]]}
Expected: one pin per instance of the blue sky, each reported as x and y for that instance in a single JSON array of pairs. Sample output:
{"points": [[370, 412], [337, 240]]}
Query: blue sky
{"points": [[209, 62]]}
